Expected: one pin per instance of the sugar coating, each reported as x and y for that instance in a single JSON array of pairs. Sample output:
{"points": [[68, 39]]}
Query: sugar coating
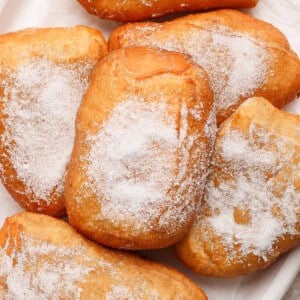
{"points": [[148, 3], [120, 292], [40, 102], [33, 268], [138, 166], [236, 63], [41, 270], [257, 174]]}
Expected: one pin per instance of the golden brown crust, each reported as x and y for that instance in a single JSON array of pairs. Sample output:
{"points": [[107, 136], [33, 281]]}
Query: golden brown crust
{"points": [[61, 45], [105, 272], [280, 61], [65, 46], [137, 10], [240, 22], [147, 78], [208, 252]]}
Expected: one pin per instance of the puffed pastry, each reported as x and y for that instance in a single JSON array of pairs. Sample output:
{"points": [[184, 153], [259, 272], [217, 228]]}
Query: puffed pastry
{"points": [[251, 209], [43, 75], [137, 10], [45, 258], [144, 134], [243, 56]]}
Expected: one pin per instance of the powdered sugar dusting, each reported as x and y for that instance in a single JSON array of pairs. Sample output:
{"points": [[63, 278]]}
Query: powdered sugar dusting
{"points": [[211, 129], [148, 3], [40, 270], [120, 292], [236, 63], [137, 162], [255, 174], [51, 268], [40, 103]]}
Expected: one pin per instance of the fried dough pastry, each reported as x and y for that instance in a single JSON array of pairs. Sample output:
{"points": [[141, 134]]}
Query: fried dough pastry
{"points": [[251, 210], [43, 75], [243, 56], [144, 134], [137, 10], [45, 258]]}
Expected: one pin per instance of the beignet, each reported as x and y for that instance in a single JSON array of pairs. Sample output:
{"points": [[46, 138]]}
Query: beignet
{"points": [[243, 56], [144, 135], [45, 258], [43, 75], [137, 10], [251, 209]]}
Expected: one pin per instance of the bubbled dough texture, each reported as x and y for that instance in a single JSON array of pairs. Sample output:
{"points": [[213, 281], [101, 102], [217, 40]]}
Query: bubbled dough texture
{"points": [[137, 10], [36, 77], [52, 261], [252, 56], [251, 210], [174, 100]]}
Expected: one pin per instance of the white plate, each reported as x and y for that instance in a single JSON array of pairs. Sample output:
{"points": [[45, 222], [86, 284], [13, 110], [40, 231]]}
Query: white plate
{"points": [[270, 284]]}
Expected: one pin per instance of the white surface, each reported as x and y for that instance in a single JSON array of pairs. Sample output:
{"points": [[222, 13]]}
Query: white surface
{"points": [[270, 284]]}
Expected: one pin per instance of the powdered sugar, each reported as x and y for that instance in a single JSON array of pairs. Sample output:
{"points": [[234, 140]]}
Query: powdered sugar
{"points": [[120, 292], [61, 265], [143, 2], [236, 63], [256, 174], [122, 3], [147, 3], [40, 270], [127, 146], [40, 103], [137, 161]]}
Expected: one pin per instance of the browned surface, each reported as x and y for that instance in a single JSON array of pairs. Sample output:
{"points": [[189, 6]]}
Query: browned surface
{"points": [[137, 10]]}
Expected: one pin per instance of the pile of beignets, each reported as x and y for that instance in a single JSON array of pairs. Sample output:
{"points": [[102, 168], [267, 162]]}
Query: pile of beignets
{"points": [[170, 134]]}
